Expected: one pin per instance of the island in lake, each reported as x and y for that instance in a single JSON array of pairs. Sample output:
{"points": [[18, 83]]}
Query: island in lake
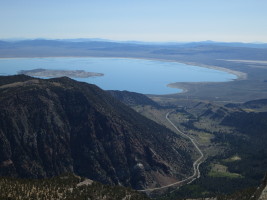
{"points": [[59, 73]]}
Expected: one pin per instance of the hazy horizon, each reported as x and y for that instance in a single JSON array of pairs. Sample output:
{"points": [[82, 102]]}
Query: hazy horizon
{"points": [[144, 21], [128, 41]]}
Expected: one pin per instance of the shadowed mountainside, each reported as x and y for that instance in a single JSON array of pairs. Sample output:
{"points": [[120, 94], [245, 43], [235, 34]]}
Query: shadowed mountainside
{"points": [[133, 98], [49, 127]]}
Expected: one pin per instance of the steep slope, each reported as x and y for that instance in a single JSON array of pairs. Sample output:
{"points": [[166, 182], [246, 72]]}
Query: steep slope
{"points": [[133, 98], [49, 127]]}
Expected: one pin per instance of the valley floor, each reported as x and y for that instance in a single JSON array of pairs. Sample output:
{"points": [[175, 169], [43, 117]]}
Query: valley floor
{"points": [[232, 162]]}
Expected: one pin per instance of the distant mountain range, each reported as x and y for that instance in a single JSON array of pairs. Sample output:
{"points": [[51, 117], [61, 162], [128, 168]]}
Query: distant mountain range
{"points": [[210, 53], [208, 42]]}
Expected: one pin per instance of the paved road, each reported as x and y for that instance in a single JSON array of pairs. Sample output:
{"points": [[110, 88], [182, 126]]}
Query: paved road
{"points": [[196, 164]]}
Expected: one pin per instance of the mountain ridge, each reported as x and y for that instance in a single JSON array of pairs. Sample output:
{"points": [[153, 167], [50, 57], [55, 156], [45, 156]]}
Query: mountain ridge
{"points": [[52, 126]]}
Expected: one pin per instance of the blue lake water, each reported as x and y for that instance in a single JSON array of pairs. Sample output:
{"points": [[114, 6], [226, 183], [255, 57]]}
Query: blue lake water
{"points": [[137, 75]]}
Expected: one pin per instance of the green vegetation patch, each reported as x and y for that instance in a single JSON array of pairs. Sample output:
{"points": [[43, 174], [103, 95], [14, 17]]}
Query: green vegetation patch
{"points": [[249, 110], [205, 137], [218, 170], [232, 159]]}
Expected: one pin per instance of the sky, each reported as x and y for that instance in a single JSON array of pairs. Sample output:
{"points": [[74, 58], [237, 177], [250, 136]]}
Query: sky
{"points": [[136, 20]]}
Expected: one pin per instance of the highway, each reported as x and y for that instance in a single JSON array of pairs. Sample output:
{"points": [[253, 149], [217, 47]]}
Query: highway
{"points": [[196, 164]]}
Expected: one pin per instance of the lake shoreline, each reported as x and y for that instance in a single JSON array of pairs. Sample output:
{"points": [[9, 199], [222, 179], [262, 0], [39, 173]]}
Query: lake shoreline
{"points": [[176, 85], [59, 73], [240, 75]]}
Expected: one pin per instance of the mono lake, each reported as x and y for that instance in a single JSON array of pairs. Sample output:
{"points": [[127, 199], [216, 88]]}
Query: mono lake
{"points": [[136, 75]]}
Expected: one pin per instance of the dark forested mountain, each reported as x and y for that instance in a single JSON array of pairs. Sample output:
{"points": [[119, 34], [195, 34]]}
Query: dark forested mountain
{"points": [[49, 127], [133, 98], [247, 135]]}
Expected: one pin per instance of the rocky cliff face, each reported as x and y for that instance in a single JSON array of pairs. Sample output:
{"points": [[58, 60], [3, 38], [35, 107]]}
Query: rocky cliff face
{"points": [[49, 127]]}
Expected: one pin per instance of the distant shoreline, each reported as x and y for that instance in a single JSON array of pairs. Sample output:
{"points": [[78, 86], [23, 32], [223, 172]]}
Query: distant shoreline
{"points": [[48, 73], [177, 85], [240, 75]]}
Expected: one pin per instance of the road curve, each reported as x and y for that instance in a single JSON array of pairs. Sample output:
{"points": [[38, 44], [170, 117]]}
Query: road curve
{"points": [[196, 164]]}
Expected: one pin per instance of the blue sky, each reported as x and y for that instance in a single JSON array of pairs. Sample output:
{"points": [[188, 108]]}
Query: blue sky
{"points": [[142, 20]]}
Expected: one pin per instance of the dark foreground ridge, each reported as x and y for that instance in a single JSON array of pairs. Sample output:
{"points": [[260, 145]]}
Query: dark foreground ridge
{"points": [[49, 127], [68, 187]]}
